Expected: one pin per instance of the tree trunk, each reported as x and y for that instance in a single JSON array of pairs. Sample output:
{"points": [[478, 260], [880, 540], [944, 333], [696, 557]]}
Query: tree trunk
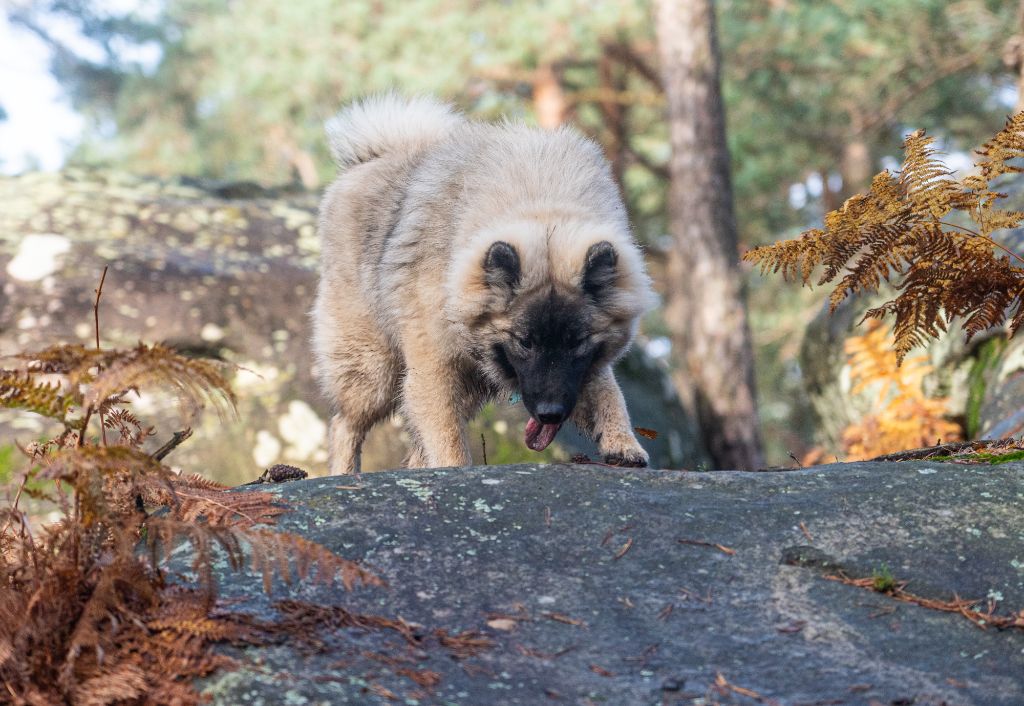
{"points": [[855, 160], [549, 102], [614, 115], [1013, 56], [855, 167], [705, 310]]}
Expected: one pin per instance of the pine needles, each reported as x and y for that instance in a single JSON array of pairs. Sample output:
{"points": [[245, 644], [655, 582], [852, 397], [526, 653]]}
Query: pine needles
{"points": [[86, 617], [903, 231]]}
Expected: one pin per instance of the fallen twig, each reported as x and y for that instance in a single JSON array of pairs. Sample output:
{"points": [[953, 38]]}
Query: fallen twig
{"points": [[644, 656], [794, 627], [693, 595], [622, 550], [983, 619], [560, 618], [175, 441], [723, 686], [96, 317], [612, 532], [700, 543], [531, 652]]}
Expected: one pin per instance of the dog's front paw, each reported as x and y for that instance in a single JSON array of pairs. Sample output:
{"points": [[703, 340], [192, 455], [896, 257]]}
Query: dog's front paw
{"points": [[626, 453], [629, 459]]}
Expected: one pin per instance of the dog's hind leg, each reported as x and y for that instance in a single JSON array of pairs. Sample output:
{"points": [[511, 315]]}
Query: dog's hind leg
{"points": [[344, 446], [360, 375], [601, 415]]}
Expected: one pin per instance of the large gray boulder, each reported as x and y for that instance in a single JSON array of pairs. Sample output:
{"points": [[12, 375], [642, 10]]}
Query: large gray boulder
{"points": [[228, 270], [579, 577]]}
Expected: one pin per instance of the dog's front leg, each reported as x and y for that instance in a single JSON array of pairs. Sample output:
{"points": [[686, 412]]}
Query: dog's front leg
{"points": [[434, 412], [601, 415]]}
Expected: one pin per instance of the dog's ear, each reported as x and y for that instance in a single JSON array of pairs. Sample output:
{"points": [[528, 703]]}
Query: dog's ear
{"points": [[599, 270], [501, 266]]}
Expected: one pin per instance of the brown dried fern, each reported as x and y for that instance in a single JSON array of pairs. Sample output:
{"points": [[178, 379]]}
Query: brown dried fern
{"points": [[902, 416], [899, 232], [21, 390], [193, 380], [286, 554], [85, 618]]}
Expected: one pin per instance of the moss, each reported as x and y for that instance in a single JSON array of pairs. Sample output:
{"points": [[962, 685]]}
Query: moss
{"points": [[1001, 458], [883, 580], [991, 459], [977, 382], [9, 462]]}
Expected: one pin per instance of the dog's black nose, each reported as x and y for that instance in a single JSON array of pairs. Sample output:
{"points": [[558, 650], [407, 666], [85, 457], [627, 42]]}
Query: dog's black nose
{"points": [[551, 412]]}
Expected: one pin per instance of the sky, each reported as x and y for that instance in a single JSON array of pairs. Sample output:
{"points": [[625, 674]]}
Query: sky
{"points": [[41, 125]]}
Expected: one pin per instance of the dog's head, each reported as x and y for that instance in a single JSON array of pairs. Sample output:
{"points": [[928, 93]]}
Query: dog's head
{"points": [[542, 314]]}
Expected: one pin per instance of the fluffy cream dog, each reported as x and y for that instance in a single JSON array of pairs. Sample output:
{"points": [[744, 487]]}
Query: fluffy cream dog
{"points": [[463, 261]]}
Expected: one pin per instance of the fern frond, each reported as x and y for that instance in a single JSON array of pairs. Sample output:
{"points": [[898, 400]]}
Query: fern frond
{"points": [[71, 464], [127, 425], [302, 617], [795, 259], [281, 553], [123, 684], [192, 379], [194, 481], [184, 613], [1006, 145], [163, 535], [20, 390], [926, 183], [122, 588], [107, 479], [902, 416], [84, 617], [216, 507], [896, 233], [63, 359]]}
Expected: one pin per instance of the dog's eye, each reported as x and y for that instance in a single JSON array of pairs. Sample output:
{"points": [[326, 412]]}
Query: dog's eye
{"points": [[524, 341]]}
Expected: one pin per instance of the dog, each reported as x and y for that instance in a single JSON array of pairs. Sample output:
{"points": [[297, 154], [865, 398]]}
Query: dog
{"points": [[464, 261]]}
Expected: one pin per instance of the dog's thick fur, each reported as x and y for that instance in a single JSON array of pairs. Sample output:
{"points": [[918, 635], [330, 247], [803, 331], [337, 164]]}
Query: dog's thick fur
{"points": [[462, 261]]}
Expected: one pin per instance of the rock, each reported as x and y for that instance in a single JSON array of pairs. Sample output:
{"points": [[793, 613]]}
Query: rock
{"points": [[997, 400], [220, 277], [229, 271], [609, 606]]}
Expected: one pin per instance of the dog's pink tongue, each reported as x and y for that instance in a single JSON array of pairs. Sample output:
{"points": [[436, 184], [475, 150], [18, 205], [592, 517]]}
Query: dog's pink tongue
{"points": [[538, 435]]}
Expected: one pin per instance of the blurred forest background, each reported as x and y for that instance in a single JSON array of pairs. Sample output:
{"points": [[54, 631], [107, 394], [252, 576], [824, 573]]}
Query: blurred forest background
{"points": [[817, 96]]}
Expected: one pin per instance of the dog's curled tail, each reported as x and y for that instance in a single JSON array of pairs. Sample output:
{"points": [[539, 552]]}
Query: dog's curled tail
{"points": [[375, 126]]}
